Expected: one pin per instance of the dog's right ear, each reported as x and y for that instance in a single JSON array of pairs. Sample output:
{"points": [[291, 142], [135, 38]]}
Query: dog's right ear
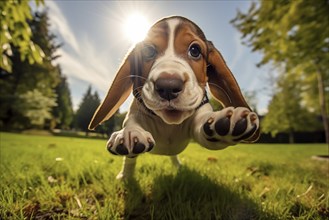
{"points": [[117, 94]]}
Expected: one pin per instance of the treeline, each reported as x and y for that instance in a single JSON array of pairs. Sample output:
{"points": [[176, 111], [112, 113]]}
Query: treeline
{"points": [[37, 95], [87, 107]]}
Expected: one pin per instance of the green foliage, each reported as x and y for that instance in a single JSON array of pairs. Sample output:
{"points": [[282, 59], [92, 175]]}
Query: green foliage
{"points": [[72, 178], [36, 107], [86, 109], [111, 125], [16, 32], [119, 118], [26, 77], [290, 32], [293, 36], [286, 112], [63, 112]]}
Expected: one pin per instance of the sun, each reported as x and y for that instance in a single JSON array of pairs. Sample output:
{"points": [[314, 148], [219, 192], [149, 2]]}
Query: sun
{"points": [[135, 27]]}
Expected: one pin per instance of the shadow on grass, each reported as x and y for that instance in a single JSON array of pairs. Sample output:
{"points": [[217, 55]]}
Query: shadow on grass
{"points": [[189, 195]]}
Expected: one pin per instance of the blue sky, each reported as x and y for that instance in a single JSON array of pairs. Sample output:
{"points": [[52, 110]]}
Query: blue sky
{"points": [[94, 44]]}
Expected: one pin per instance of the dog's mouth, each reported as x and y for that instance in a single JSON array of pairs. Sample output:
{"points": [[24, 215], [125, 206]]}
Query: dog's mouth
{"points": [[173, 116], [172, 112]]}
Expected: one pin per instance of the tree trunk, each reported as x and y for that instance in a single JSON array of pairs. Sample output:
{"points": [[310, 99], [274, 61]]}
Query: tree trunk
{"points": [[291, 137], [322, 100]]}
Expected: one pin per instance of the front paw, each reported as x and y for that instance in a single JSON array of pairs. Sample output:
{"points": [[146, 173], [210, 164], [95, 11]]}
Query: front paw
{"points": [[130, 142], [231, 125]]}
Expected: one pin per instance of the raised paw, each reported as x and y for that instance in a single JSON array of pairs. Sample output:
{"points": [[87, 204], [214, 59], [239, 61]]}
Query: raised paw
{"points": [[231, 125], [130, 142]]}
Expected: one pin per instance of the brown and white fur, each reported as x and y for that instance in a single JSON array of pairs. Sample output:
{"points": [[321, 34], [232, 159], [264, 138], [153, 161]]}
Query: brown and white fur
{"points": [[168, 73]]}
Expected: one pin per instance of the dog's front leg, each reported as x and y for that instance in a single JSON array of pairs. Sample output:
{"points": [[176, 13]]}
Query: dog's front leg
{"points": [[128, 168], [175, 161], [131, 141], [220, 129]]}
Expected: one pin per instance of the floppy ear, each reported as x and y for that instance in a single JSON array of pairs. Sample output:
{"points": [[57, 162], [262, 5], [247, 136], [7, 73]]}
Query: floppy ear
{"points": [[223, 85], [117, 94]]}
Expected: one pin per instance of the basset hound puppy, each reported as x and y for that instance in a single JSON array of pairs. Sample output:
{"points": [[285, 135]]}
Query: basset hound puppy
{"points": [[168, 73]]}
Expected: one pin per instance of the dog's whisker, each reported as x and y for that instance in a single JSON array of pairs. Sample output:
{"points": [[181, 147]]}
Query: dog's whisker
{"points": [[137, 76]]}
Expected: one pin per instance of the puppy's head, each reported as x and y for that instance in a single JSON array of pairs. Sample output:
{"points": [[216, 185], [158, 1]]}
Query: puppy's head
{"points": [[173, 59], [168, 73]]}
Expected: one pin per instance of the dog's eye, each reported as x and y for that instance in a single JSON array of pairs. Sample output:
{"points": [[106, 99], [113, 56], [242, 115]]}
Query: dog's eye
{"points": [[149, 52], [194, 51]]}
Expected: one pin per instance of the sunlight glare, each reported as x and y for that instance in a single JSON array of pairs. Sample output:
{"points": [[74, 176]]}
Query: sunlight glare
{"points": [[136, 27]]}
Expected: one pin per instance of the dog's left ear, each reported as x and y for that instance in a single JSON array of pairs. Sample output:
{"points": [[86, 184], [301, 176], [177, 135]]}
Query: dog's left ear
{"points": [[222, 84], [117, 94]]}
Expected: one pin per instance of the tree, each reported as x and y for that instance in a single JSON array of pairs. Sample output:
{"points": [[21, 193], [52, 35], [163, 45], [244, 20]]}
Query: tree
{"points": [[292, 35], [86, 109], [35, 107], [111, 125], [16, 32], [26, 77], [286, 112], [63, 112]]}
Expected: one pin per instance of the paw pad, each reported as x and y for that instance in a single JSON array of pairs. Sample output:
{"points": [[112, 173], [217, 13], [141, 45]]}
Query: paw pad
{"points": [[207, 129], [240, 127], [231, 125], [122, 150], [130, 143], [138, 148], [222, 126]]}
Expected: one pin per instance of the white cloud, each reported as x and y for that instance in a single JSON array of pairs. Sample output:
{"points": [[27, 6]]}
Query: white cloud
{"points": [[79, 58], [239, 51], [60, 25], [74, 68]]}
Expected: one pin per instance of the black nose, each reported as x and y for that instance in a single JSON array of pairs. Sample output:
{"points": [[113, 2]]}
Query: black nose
{"points": [[168, 88]]}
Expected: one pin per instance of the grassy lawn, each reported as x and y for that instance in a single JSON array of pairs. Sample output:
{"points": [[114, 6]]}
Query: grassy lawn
{"points": [[46, 177]]}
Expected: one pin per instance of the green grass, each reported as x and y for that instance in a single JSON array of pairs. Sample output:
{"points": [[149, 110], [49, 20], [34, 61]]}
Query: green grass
{"points": [[46, 177]]}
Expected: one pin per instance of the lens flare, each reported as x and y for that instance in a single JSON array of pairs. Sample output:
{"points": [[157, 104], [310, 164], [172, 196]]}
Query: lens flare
{"points": [[136, 27]]}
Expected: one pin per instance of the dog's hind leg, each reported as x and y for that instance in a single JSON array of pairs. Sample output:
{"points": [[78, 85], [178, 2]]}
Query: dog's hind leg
{"points": [[128, 168], [175, 161]]}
